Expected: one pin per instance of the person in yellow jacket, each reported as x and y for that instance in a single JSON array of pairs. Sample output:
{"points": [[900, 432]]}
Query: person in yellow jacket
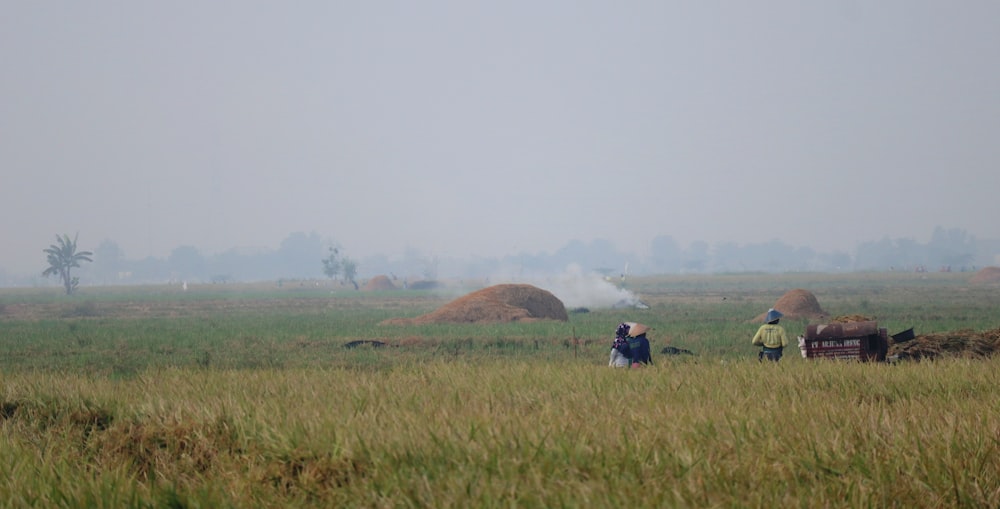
{"points": [[771, 337]]}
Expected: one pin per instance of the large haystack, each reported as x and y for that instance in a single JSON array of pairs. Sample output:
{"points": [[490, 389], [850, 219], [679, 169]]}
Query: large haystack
{"points": [[986, 275], [960, 343], [797, 303], [499, 303], [378, 283]]}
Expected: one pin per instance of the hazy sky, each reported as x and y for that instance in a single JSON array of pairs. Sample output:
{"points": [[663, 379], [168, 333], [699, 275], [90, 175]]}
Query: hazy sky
{"points": [[489, 128]]}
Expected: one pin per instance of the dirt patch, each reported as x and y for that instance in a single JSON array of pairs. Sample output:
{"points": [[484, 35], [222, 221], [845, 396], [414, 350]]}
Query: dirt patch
{"points": [[986, 275], [379, 283], [797, 303], [499, 303], [960, 343]]}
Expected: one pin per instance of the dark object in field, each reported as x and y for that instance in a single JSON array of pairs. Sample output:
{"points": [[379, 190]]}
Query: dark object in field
{"points": [[673, 350], [424, 285], [579, 310], [359, 342], [901, 337]]}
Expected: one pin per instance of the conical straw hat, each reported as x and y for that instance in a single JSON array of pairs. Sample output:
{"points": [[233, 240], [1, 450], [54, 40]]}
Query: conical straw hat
{"points": [[636, 329]]}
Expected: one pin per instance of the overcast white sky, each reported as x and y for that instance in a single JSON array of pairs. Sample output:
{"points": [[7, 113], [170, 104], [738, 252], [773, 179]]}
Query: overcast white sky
{"points": [[489, 128]]}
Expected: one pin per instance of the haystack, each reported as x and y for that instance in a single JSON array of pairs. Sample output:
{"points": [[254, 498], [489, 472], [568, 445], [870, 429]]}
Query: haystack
{"points": [[961, 343], [797, 303], [851, 318], [378, 283], [986, 275], [499, 303]]}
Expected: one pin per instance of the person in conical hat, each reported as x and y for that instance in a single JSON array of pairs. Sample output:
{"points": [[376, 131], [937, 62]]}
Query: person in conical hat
{"points": [[639, 344], [771, 337]]}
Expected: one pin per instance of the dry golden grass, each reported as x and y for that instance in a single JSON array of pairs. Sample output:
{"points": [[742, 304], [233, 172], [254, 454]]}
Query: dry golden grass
{"points": [[450, 434]]}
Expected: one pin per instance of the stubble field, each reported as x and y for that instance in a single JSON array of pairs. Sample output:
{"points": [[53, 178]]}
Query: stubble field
{"points": [[239, 396]]}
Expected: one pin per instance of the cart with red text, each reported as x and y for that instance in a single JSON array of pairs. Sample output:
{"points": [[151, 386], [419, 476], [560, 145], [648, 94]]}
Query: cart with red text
{"points": [[861, 341]]}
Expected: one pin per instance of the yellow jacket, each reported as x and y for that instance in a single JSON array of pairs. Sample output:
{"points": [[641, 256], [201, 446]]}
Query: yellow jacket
{"points": [[770, 336]]}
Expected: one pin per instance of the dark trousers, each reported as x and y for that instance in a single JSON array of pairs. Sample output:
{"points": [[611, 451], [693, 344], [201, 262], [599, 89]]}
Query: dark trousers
{"points": [[771, 354]]}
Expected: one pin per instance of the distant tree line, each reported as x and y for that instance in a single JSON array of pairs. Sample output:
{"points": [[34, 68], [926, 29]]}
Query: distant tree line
{"points": [[948, 249], [308, 256], [300, 256]]}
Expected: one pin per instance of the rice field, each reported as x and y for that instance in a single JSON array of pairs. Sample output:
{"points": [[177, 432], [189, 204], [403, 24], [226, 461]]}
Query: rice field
{"points": [[241, 397]]}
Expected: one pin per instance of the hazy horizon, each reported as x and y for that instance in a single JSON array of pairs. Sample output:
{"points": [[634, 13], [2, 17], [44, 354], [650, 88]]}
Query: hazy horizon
{"points": [[460, 129]]}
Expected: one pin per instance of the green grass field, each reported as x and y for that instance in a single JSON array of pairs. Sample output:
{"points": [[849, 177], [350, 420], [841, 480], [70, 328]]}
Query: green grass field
{"points": [[244, 396]]}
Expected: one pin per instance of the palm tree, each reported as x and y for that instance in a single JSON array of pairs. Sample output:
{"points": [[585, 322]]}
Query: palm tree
{"points": [[63, 256]]}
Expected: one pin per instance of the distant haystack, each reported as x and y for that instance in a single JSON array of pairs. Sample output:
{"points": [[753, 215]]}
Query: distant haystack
{"points": [[424, 285], [379, 283], [986, 275], [797, 303], [499, 303]]}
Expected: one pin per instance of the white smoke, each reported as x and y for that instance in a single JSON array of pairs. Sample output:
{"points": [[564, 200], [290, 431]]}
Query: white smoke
{"points": [[577, 288]]}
